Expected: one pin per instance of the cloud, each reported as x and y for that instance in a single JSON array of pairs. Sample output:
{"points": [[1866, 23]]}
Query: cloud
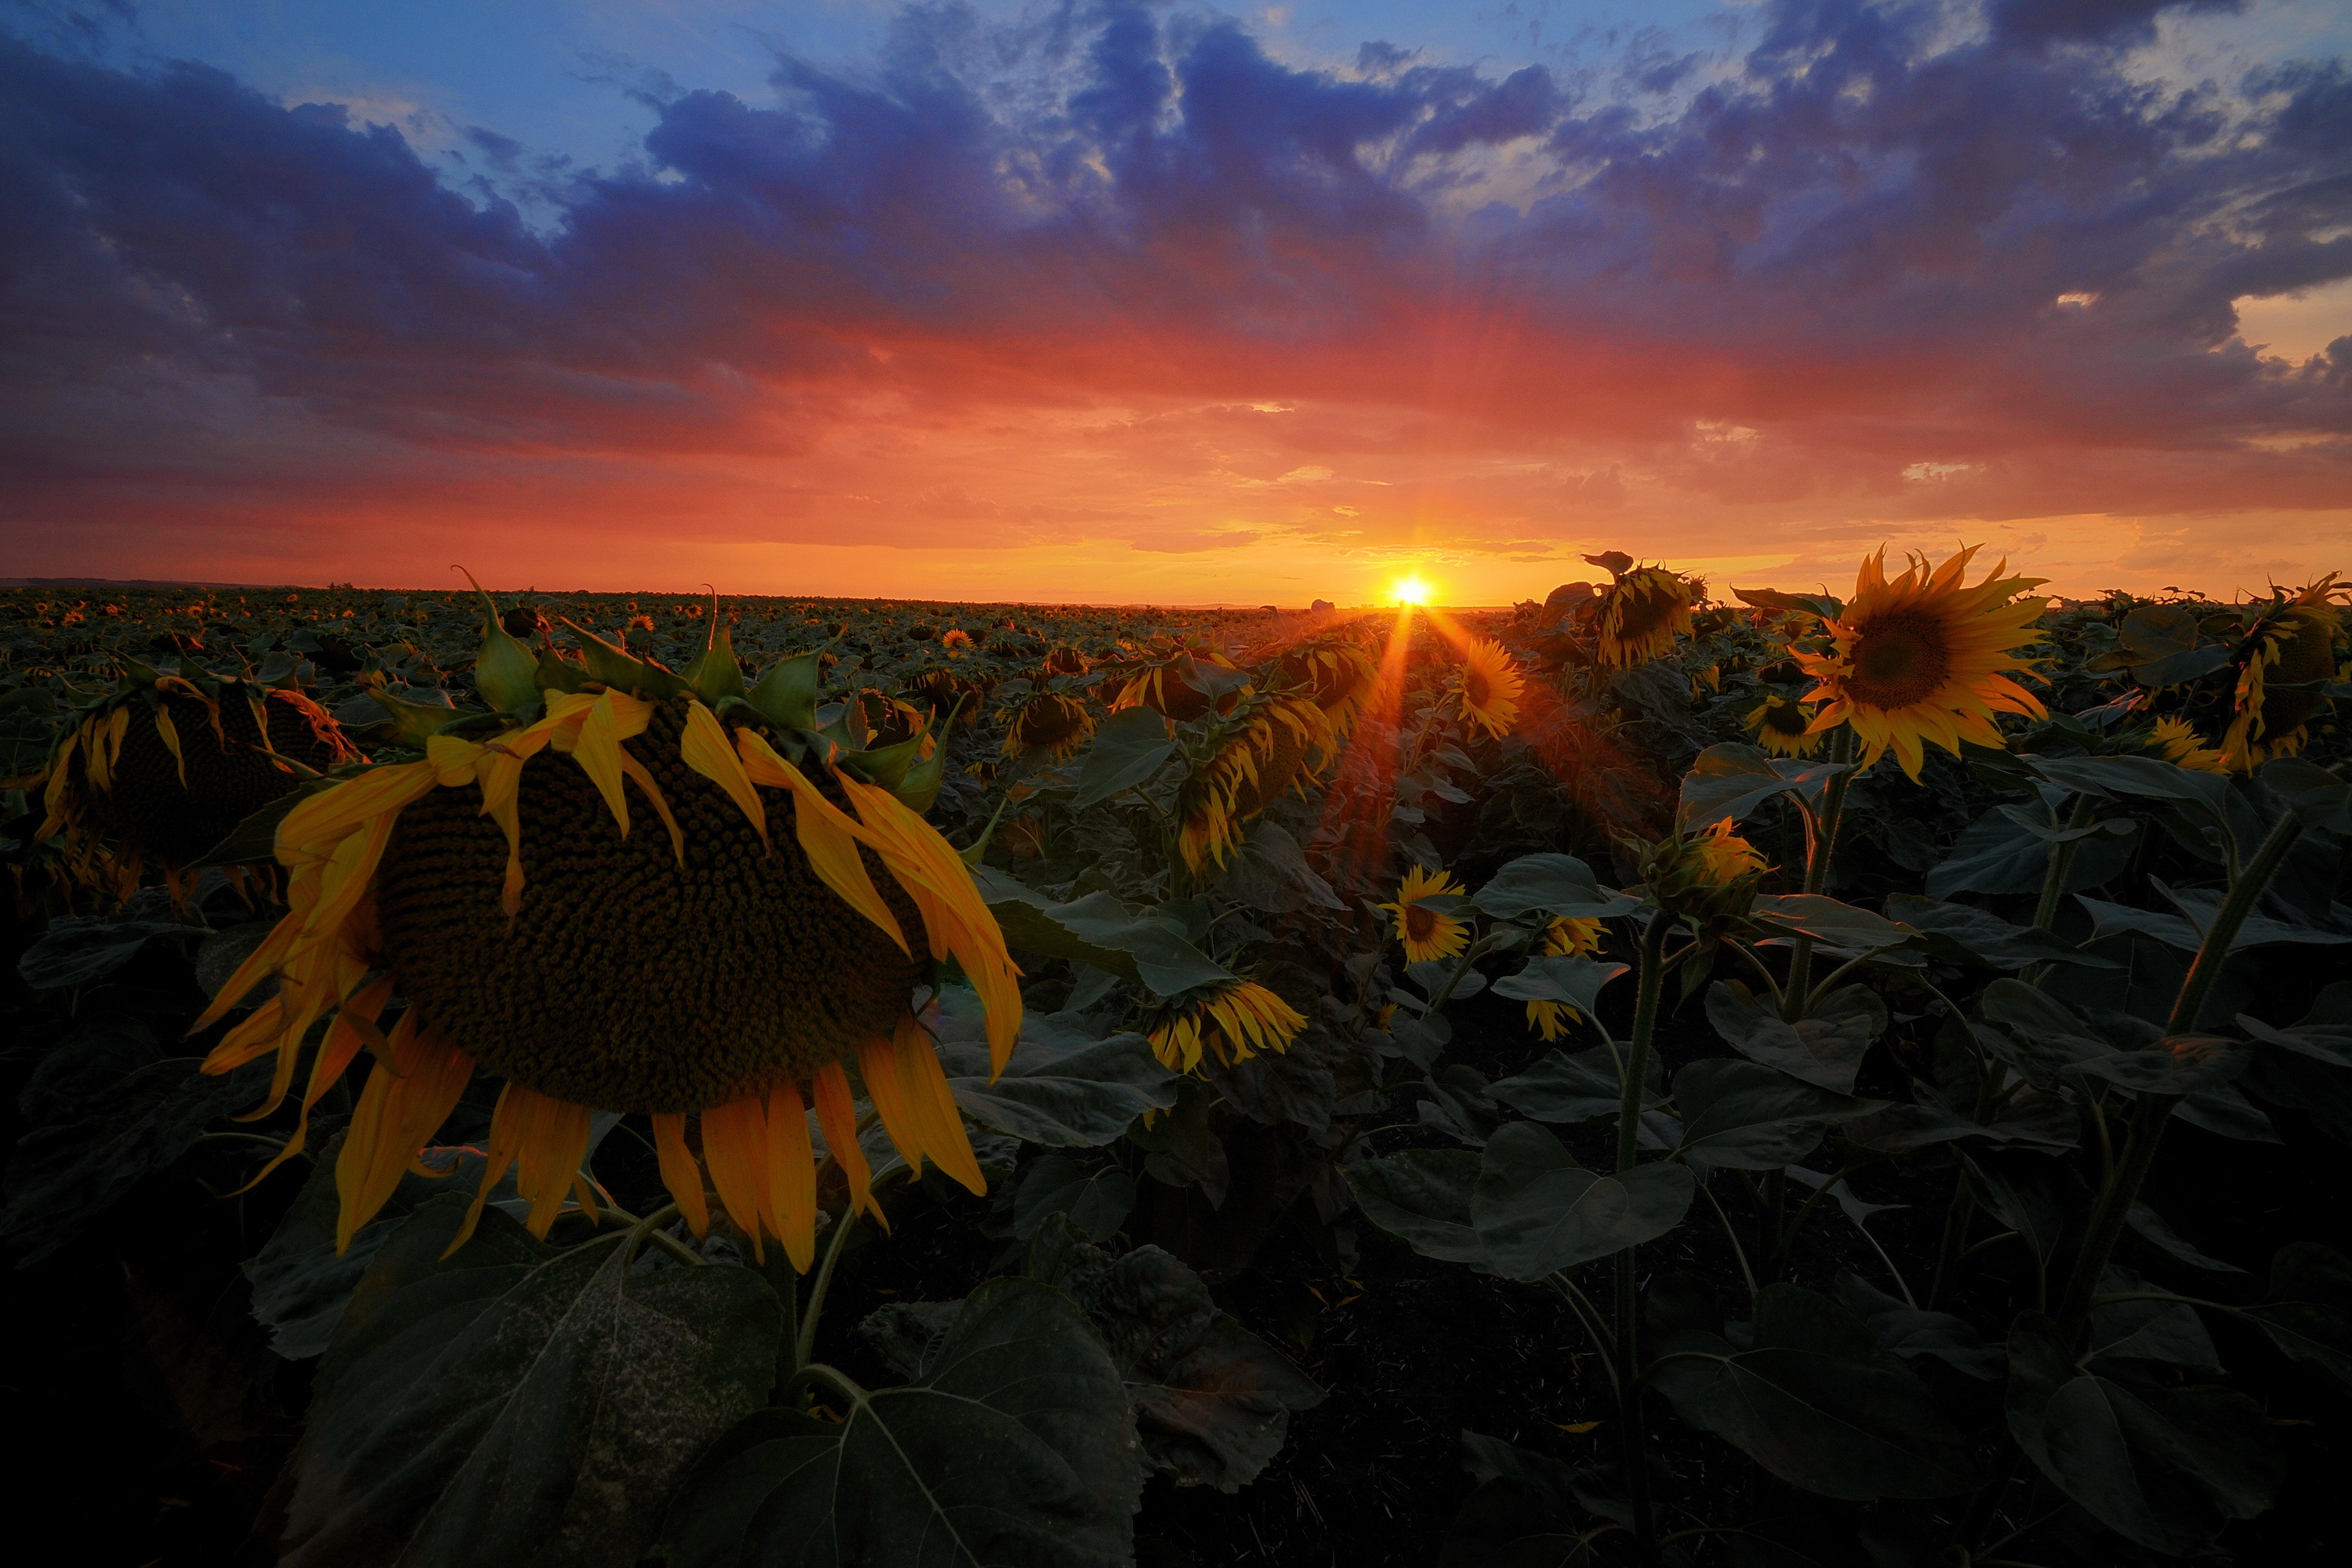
{"points": [[1069, 277]]}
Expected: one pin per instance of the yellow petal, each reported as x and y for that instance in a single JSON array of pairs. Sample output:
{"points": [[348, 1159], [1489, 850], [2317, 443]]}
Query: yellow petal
{"points": [[704, 749], [837, 1113], [791, 1176], [171, 734], [679, 1173], [827, 836]]}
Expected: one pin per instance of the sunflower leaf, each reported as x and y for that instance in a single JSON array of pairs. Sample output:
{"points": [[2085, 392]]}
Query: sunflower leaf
{"points": [[1536, 1209], [1422, 1196], [1140, 949], [1061, 1088], [1743, 1116], [1554, 885], [1825, 1048], [1735, 780], [1127, 751]]}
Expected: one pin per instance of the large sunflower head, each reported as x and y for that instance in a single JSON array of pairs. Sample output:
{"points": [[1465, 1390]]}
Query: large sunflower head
{"points": [[1566, 937], [1712, 875], [1227, 1021], [2294, 643], [1636, 618], [1485, 688], [1426, 930], [1338, 671], [1169, 679], [660, 897], [1925, 658], [1048, 721], [1271, 746], [1784, 728], [158, 773]]}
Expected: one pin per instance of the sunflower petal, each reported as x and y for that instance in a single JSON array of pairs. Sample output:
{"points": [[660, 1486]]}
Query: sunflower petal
{"points": [[704, 749], [791, 1176], [837, 1114], [407, 1097], [827, 836], [679, 1173]]}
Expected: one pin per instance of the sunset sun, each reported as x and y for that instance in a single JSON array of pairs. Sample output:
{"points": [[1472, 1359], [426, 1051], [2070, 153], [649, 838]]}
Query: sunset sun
{"points": [[1410, 589]]}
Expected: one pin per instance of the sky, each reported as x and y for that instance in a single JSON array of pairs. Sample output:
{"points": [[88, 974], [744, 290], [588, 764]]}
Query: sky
{"points": [[1119, 302]]}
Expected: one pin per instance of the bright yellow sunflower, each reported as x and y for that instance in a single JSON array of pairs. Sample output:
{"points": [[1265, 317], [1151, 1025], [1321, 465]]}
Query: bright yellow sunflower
{"points": [[1924, 657], [1271, 746], [720, 967], [1783, 728], [2295, 643], [1487, 688], [1565, 938], [1229, 1021], [1636, 617], [2180, 743], [1426, 932]]}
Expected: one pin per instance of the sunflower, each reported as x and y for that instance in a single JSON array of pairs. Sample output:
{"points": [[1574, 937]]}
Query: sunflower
{"points": [[712, 951], [1925, 658], [1487, 688], [1263, 754], [1338, 673], [2180, 743], [1637, 617], [1229, 1020], [1164, 681], [1426, 932], [1565, 938], [1709, 877], [1048, 721], [2295, 643], [163, 770], [1782, 727]]}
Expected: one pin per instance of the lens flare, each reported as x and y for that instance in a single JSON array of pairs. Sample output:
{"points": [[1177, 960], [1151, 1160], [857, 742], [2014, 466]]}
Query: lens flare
{"points": [[1410, 590]]}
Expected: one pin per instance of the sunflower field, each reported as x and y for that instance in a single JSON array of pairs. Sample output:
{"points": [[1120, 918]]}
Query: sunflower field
{"points": [[1646, 1077]]}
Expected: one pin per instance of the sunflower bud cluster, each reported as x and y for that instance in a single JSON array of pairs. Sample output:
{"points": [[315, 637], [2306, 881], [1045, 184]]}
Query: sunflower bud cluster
{"points": [[1708, 878]]}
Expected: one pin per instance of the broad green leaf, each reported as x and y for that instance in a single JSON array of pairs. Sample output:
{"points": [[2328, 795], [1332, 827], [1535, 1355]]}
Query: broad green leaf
{"points": [[1142, 949], [1015, 1446], [1270, 872], [1530, 1511], [517, 1403], [1061, 1088], [2329, 1043], [1130, 749], [1424, 1196], [1571, 978], [1818, 1402], [2167, 1332], [1536, 1210], [2148, 778], [2307, 1311], [1461, 1104], [1580, 1087], [1735, 780], [79, 949], [1742, 1116], [1962, 934], [1994, 855], [1556, 885], [2032, 1120], [1910, 1331], [785, 693], [2311, 792], [1097, 1202], [1825, 1049], [254, 841], [2153, 1229], [1828, 921], [2164, 1467]]}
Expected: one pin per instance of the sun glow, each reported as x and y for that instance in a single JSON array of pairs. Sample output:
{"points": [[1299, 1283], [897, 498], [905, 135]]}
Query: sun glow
{"points": [[1410, 590]]}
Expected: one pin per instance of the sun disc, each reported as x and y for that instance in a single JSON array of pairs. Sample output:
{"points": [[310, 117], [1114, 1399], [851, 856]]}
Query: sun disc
{"points": [[1411, 591]]}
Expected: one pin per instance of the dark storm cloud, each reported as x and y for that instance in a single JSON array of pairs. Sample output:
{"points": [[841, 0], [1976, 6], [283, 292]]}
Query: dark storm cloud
{"points": [[1853, 237]]}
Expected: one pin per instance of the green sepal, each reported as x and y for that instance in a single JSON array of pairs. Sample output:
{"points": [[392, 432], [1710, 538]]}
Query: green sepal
{"points": [[919, 789], [557, 673], [135, 674], [785, 694], [848, 729], [505, 672], [888, 765], [417, 721], [616, 668], [715, 674]]}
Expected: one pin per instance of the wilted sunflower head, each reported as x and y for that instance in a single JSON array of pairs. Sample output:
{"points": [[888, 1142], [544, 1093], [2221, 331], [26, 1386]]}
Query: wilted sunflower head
{"points": [[1636, 618], [1338, 673], [1709, 877], [1923, 657], [1064, 659], [1227, 1021], [161, 771], [1784, 728], [1169, 679], [2179, 742], [1566, 937], [1048, 721], [1426, 930], [630, 904], [1269, 747], [1487, 687], [2292, 645]]}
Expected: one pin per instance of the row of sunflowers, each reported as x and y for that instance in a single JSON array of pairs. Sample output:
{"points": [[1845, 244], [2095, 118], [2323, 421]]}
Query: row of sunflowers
{"points": [[856, 1081]]}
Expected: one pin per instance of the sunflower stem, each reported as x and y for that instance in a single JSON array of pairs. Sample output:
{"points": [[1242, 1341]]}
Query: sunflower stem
{"points": [[1651, 981], [2150, 1116], [786, 1281], [1820, 845], [2053, 883], [807, 1344]]}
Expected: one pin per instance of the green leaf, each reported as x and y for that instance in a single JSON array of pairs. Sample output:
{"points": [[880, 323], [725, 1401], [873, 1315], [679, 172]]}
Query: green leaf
{"points": [[517, 1402], [1424, 1196], [785, 693], [2164, 1467], [1994, 855], [2167, 1332], [1735, 780], [1580, 1087], [1572, 978], [1536, 1209], [1127, 752], [1839, 925], [1553, 885], [1015, 1448], [715, 675], [2186, 933], [2307, 1311], [1820, 605], [79, 949], [505, 672], [2034, 1120], [2153, 1229], [1097, 1202], [2329, 1043], [1825, 1049], [1140, 949], [1270, 872], [1742, 1116], [1530, 1511], [2317, 796], [1818, 1403], [1061, 1088], [1910, 1333], [1962, 934], [617, 667]]}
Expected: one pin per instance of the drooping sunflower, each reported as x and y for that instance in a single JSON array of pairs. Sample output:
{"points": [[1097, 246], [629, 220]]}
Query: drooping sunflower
{"points": [[1050, 722], [711, 951], [1168, 680], [1228, 1021], [1427, 932], [1338, 671], [1566, 937], [1271, 745], [2294, 643], [160, 771], [1925, 658], [1705, 878], [1784, 728], [1635, 618], [2180, 743], [1485, 688]]}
